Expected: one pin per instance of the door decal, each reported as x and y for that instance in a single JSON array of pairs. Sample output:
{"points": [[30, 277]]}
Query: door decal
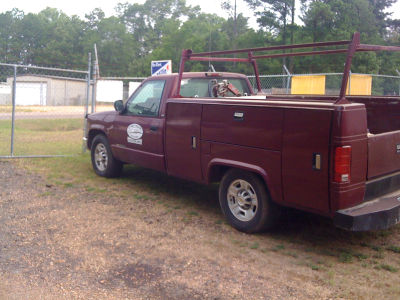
{"points": [[135, 133]]}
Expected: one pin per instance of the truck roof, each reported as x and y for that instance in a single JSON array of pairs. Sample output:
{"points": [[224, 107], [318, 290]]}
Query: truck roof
{"points": [[203, 75]]}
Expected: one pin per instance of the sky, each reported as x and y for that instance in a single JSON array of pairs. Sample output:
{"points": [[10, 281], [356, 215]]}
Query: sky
{"points": [[80, 8]]}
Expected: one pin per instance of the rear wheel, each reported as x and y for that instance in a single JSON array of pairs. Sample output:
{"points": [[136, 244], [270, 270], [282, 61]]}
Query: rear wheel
{"points": [[245, 203], [103, 162]]}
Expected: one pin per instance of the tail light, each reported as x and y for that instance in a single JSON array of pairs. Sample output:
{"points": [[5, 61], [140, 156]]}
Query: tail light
{"points": [[342, 164]]}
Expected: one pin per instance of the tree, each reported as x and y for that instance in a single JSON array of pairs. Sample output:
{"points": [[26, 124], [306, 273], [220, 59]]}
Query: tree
{"points": [[231, 9], [274, 17], [338, 20], [10, 41], [148, 22], [379, 9]]}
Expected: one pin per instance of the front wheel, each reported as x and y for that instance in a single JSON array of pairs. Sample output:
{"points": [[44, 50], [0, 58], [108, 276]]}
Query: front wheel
{"points": [[245, 203], [103, 162]]}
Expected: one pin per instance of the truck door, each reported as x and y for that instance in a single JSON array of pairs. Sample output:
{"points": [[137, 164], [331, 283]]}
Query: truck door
{"points": [[137, 135], [305, 159], [182, 144]]}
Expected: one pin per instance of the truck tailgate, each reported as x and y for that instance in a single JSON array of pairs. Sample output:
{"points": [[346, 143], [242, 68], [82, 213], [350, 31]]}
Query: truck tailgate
{"points": [[383, 153]]}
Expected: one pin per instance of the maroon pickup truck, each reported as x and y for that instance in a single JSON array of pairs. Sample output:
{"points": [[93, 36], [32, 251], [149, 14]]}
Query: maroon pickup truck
{"points": [[334, 156]]}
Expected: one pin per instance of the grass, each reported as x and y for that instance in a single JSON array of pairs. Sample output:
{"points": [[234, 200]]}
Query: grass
{"points": [[219, 222], [314, 267], [255, 245], [345, 257], [394, 249], [388, 268], [360, 256], [292, 254], [278, 247], [193, 213], [42, 137]]}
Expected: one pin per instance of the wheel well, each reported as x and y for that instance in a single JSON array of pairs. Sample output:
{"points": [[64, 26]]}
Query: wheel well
{"points": [[218, 171], [92, 134]]}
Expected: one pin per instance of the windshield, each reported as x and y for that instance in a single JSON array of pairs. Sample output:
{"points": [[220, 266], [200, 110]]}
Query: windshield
{"points": [[202, 87]]}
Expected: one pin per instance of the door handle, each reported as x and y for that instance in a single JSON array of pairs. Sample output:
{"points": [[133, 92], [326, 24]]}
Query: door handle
{"points": [[153, 128], [316, 161], [194, 142]]}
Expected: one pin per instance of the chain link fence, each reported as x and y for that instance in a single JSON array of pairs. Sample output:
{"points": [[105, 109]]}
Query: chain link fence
{"points": [[42, 110], [359, 84]]}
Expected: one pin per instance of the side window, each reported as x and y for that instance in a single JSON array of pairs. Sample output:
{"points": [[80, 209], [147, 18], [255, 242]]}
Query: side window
{"points": [[203, 87], [195, 88], [146, 100]]}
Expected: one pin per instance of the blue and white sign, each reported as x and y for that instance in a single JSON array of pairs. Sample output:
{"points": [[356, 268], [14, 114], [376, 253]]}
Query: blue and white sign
{"points": [[161, 67]]}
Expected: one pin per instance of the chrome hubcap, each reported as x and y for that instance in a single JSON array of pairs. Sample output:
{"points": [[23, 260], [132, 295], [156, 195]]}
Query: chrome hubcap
{"points": [[242, 200], [100, 157]]}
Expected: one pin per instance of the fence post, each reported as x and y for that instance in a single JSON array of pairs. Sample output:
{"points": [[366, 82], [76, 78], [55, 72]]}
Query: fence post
{"points": [[287, 79], [14, 92], [87, 103], [397, 71], [96, 74], [349, 82], [94, 89]]}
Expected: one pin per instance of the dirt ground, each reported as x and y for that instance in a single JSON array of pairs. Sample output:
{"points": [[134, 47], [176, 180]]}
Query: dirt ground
{"points": [[68, 242]]}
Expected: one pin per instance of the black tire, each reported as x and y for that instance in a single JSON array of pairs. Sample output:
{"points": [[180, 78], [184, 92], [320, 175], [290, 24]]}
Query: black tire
{"points": [[103, 162], [247, 205]]}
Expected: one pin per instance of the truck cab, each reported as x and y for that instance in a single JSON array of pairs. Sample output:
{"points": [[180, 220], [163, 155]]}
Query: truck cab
{"points": [[138, 130]]}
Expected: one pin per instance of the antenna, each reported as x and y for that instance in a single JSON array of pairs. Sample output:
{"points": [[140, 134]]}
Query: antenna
{"points": [[209, 48]]}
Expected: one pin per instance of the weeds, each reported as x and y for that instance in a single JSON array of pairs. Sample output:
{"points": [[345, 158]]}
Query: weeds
{"points": [[255, 245], [388, 268], [345, 257], [360, 256], [45, 194], [314, 267], [292, 254], [394, 249], [278, 247], [379, 255]]}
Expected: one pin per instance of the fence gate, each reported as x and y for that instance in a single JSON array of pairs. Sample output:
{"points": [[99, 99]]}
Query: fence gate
{"points": [[42, 110]]}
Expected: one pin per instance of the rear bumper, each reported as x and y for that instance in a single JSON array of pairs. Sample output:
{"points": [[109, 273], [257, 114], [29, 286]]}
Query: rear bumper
{"points": [[380, 213]]}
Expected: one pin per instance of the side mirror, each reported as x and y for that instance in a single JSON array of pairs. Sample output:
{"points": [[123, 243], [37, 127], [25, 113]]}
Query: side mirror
{"points": [[119, 106]]}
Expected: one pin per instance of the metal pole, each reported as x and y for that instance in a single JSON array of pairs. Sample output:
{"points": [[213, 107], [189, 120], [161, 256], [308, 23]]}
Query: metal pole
{"points": [[349, 82], [94, 89], [88, 82], [287, 79], [14, 90], [256, 73], [397, 71], [355, 42], [96, 74], [87, 103]]}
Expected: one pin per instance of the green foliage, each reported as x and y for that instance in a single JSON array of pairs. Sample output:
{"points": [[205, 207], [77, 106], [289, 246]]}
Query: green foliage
{"points": [[160, 29]]}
